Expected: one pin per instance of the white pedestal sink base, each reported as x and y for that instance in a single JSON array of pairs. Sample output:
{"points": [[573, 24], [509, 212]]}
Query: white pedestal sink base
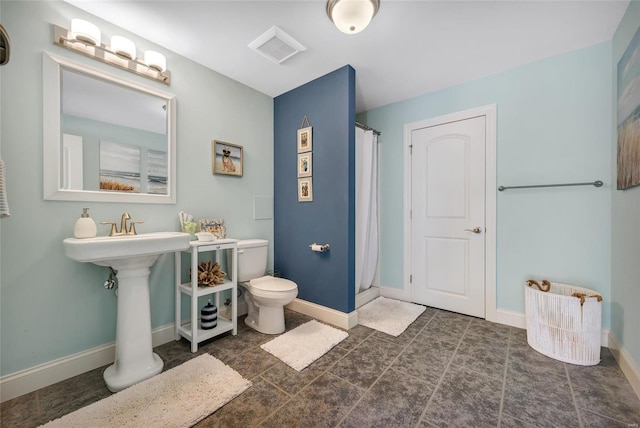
{"points": [[131, 256], [135, 360], [117, 380]]}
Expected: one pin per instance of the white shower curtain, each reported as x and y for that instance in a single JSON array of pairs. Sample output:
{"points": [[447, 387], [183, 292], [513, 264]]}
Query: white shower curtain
{"points": [[366, 208]]}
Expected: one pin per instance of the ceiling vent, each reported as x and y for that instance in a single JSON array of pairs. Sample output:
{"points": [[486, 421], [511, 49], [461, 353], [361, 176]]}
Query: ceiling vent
{"points": [[276, 45]]}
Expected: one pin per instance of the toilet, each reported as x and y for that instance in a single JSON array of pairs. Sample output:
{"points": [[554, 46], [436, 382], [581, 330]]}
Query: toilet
{"points": [[265, 295]]}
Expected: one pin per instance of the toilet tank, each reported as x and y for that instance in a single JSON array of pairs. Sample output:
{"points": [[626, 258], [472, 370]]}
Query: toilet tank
{"points": [[252, 258]]}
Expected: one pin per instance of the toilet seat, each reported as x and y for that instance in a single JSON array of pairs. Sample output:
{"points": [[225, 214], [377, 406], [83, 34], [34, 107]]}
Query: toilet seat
{"points": [[270, 283]]}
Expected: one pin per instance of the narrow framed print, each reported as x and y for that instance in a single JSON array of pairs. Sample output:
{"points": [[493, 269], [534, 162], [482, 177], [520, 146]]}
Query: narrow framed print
{"points": [[305, 190], [304, 164], [305, 139], [226, 158]]}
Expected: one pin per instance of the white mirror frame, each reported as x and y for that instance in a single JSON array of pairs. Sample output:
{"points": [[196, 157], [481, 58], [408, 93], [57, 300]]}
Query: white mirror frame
{"points": [[52, 144]]}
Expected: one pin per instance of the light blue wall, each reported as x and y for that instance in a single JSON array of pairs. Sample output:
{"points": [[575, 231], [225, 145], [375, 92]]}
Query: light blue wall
{"points": [[625, 231], [554, 126], [52, 307]]}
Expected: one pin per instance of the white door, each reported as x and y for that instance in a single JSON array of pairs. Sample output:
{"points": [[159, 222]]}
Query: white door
{"points": [[448, 216]]}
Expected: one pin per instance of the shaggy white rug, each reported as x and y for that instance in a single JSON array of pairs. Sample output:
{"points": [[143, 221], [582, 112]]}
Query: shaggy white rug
{"points": [[179, 397], [388, 315], [304, 344]]}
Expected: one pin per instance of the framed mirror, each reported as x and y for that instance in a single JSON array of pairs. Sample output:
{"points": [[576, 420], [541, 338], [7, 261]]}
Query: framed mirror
{"points": [[105, 138]]}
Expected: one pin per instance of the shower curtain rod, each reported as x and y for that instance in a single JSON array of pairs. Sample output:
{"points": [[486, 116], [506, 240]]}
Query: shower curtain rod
{"points": [[366, 128]]}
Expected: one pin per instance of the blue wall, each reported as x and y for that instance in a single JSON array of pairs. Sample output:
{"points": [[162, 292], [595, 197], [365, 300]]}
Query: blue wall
{"points": [[553, 126], [328, 278]]}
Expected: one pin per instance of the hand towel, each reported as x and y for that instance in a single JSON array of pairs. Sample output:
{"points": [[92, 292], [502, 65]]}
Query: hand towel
{"points": [[4, 205]]}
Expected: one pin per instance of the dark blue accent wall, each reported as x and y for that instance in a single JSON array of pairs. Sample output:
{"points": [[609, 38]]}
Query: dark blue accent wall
{"points": [[326, 279]]}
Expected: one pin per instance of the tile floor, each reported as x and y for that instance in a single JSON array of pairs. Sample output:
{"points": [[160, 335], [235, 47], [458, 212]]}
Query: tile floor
{"points": [[445, 370]]}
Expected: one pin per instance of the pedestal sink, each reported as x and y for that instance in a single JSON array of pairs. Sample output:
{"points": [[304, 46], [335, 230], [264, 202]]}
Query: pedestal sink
{"points": [[132, 256]]}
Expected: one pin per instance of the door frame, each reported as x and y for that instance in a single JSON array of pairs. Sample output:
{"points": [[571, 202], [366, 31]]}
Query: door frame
{"points": [[490, 114]]}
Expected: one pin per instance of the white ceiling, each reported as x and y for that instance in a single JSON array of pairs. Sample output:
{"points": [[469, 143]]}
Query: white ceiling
{"points": [[410, 48]]}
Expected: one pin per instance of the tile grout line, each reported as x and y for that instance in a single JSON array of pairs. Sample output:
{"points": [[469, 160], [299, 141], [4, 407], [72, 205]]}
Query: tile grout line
{"points": [[384, 371], [269, 415], [325, 371], [421, 418], [292, 396], [504, 378], [573, 396]]}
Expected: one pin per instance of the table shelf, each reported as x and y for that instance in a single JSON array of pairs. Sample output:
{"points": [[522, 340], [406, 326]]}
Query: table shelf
{"points": [[191, 330]]}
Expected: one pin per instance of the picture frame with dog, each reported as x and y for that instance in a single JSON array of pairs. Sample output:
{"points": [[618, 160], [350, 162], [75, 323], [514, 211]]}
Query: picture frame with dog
{"points": [[226, 158], [305, 139]]}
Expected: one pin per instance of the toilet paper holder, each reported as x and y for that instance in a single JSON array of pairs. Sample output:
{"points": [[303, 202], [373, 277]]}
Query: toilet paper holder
{"points": [[321, 248]]}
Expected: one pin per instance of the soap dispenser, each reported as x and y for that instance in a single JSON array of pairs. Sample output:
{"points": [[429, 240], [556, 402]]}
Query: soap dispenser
{"points": [[85, 226]]}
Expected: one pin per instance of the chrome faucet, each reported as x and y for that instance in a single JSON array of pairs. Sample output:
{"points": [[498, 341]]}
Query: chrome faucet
{"points": [[123, 226]]}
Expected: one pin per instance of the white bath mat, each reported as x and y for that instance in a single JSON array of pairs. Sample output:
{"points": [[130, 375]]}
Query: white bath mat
{"points": [[304, 344], [388, 315], [179, 397]]}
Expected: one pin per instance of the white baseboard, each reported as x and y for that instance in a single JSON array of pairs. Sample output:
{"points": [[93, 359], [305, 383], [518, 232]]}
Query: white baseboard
{"points": [[626, 363], [29, 380], [395, 293], [32, 379], [510, 318], [322, 313], [367, 296]]}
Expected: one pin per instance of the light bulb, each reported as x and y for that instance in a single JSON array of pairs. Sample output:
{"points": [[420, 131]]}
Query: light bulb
{"points": [[155, 60], [123, 47], [85, 31]]}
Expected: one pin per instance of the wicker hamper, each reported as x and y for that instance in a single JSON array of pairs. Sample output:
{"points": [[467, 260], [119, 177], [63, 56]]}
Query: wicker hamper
{"points": [[562, 326]]}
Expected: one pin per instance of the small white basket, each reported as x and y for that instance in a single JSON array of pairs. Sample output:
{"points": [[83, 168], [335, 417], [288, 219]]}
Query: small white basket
{"points": [[562, 326]]}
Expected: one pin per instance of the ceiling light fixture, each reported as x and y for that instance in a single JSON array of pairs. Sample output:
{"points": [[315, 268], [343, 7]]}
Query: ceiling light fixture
{"points": [[352, 16]]}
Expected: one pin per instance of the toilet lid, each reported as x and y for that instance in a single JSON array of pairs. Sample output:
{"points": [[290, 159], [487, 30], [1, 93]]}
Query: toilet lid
{"points": [[270, 283]]}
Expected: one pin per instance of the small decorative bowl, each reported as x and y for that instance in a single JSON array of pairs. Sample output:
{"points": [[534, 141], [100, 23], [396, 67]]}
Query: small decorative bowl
{"points": [[205, 236]]}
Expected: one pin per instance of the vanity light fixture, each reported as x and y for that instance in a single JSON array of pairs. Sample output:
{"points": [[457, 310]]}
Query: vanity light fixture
{"points": [[155, 60], [123, 47], [84, 38], [85, 32], [352, 16]]}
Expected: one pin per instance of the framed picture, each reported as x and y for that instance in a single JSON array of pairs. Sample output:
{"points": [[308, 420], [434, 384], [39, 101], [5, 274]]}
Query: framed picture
{"points": [[629, 116], [305, 190], [304, 164], [226, 158], [119, 167], [305, 139]]}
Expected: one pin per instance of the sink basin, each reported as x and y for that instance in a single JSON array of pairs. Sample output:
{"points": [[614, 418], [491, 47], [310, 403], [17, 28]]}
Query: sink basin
{"points": [[132, 257], [117, 251]]}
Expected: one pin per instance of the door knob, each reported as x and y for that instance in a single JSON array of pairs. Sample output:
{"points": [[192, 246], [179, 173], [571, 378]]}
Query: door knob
{"points": [[474, 230]]}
